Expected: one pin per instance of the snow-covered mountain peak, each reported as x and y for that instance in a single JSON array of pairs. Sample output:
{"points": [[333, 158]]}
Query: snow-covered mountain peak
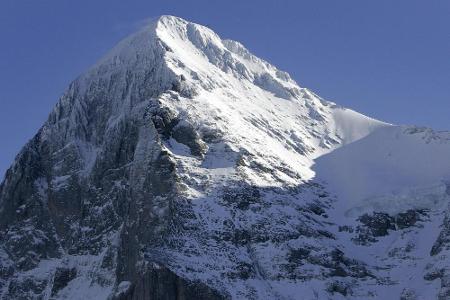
{"points": [[220, 88], [182, 165], [199, 48]]}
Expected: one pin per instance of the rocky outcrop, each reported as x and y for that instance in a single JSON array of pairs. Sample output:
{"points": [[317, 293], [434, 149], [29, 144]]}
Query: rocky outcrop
{"points": [[379, 224]]}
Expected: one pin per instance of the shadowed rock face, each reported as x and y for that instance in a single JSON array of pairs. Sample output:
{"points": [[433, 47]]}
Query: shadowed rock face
{"points": [[380, 224], [161, 284], [62, 277], [96, 182]]}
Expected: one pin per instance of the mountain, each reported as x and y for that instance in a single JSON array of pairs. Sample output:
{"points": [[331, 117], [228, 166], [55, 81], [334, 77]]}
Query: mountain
{"points": [[181, 166]]}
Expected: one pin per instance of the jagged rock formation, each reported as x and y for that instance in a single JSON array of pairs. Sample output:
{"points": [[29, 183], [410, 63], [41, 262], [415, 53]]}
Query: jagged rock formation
{"points": [[181, 166]]}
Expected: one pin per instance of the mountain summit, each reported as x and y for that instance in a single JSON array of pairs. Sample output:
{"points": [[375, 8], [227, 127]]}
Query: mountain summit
{"points": [[181, 166]]}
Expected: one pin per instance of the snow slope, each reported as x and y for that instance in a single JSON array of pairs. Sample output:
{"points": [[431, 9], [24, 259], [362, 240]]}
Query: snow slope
{"points": [[391, 170], [257, 108]]}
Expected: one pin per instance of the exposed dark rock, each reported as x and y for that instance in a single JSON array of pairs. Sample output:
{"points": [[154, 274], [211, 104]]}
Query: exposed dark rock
{"points": [[336, 263], [346, 228], [241, 196], [159, 283], [62, 277], [244, 271], [316, 209], [443, 240], [433, 275], [408, 218], [340, 287], [27, 288], [296, 256], [185, 133], [379, 224], [408, 294]]}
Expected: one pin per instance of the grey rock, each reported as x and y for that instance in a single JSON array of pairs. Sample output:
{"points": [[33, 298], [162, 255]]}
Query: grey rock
{"points": [[62, 277], [159, 283]]}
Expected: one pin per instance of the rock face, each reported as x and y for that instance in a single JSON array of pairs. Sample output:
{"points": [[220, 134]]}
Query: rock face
{"points": [[183, 167], [160, 283]]}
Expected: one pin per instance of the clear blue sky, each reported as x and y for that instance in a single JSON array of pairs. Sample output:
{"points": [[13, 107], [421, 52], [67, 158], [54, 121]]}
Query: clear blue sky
{"points": [[387, 59]]}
